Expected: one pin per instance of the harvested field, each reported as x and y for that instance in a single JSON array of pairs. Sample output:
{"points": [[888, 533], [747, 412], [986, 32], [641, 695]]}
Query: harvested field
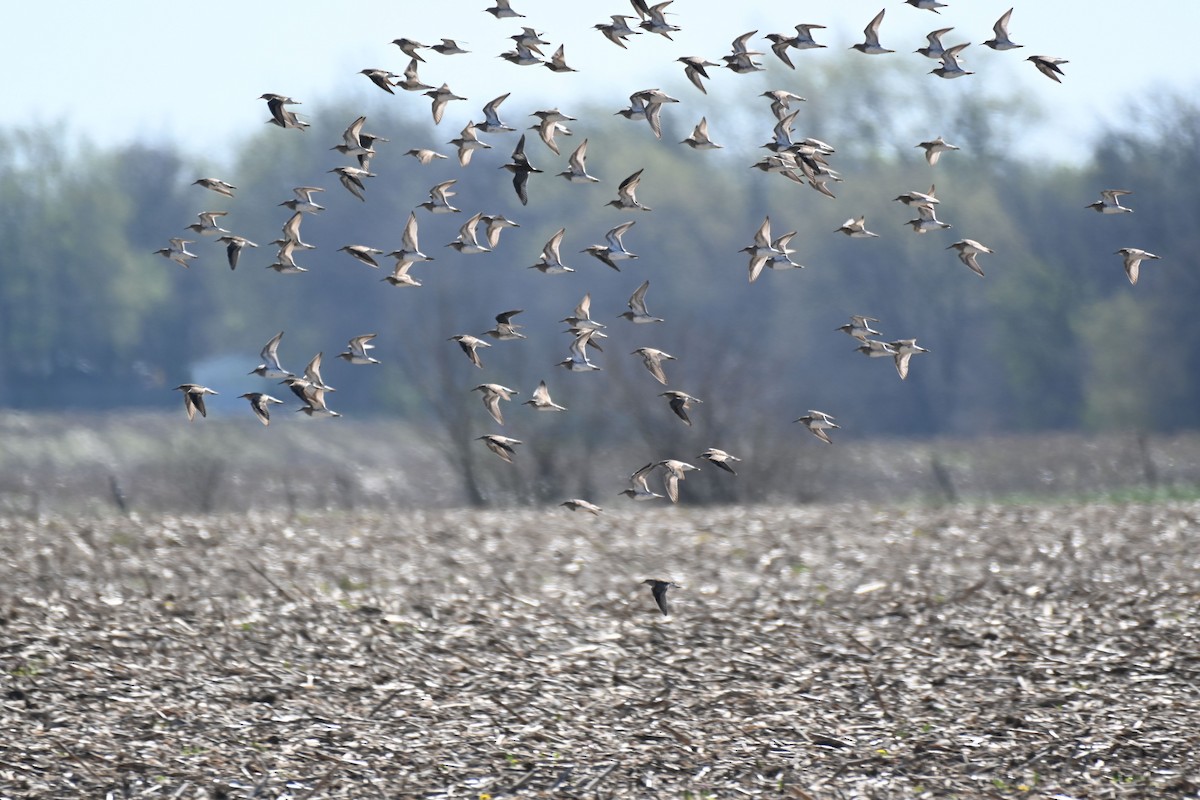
{"points": [[819, 652]]}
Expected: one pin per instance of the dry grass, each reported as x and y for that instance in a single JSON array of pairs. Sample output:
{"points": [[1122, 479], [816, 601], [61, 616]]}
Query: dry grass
{"points": [[829, 652]]}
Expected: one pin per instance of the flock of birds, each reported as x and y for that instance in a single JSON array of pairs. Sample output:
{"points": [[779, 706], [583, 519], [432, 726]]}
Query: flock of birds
{"points": [[805, 161]]}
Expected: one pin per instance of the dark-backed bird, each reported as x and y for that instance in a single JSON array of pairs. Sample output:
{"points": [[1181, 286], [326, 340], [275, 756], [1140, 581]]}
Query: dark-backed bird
{"points": [[658, 588], [680, 403], [193, 398], [259, 403], [520, 169]]}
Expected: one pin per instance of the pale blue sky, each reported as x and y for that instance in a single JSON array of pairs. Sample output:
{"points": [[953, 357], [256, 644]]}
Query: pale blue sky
{"points": [[192, 72]]}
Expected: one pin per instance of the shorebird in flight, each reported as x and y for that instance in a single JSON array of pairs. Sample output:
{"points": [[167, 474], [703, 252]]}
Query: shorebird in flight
{"points": [[693, 68], [439, 199], [207, 226], [856, 228], [217, 185], [467, 242], [674, 471], [271, 368], [934, 49], [362, 253], [575, 504], [859, 327], [491, 117], [502, 446], [577, 170], [259, 403], [303, 200], [637, 307], [1048, 66], [357, 352], [658, 589], [870, 44], [818, 423], [178, 252], [541, 399], [968, 249], [520, 169], [934, 149], [615, 250], [1111, 202], [551, 263], [653, 359], [720, 458], [1133, 261], [492, 394], [506, 330], [470, 344], [680, 402], [412, 81], [441, 96], [193, 398], [639, 489], [1002, 42], [699, 140], [905, 350], [627, 193]]}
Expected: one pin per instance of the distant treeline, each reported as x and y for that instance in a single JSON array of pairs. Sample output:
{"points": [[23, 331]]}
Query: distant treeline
{"points": [[1054, 337]]}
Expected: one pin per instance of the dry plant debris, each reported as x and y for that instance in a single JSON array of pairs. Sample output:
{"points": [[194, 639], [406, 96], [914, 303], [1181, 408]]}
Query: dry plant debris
{"points": [[819, 652]]}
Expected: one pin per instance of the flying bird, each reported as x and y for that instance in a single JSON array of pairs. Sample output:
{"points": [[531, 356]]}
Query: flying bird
{"points": [[615, 250], [680, 403], [551, 263], [674, 471], [859, 327], [934, 49], [441, 97], [271, 368], [627, 193], [659, 589], [1133, 261], [470, 344], [577, 170], [1002, 42], [362, 253], [693, 68], [637, 307], [259, 403], [575, 504], [216, 185], [856, 228], [492, 394], [1048, 66], [818, 424], [934, 149], [520, 169], [506, 329], [653, 359], [193, 398], [870, 45], [500, 445], [541, 399], [357, 352], [178, 252], [720, 458], [699, 140], [905, 350], [639, 489], [412, 80], [207, 226], [1110, 202], [968, 249]]}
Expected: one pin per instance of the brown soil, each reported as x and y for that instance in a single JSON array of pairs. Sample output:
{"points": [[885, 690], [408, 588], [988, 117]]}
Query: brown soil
{"points": [[820, 652]]}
